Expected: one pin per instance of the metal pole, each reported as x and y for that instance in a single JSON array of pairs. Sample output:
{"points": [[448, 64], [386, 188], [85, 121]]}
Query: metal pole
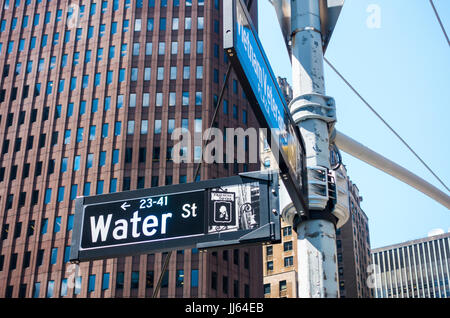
{"points": [[376, 160], [163, 271], [315, 115]]}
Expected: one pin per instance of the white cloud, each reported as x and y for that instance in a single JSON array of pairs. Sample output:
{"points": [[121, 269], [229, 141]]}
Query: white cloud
{"points": [[434, 232]]}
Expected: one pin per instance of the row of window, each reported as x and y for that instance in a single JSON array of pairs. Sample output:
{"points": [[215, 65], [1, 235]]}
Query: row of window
{"points": [[88, 57], [172, 96], [104, 4], [102, 28], [67, 36], [109, 81], [104, 134], [235, 257], [287, 247], [134, 283], [282, 287], [132, 101], [93, 7], [32, 227], [288, 262], [39, 258], [105, 283], [138, 24], [87, 189], [100, 52], [225, 286], [107, 102]]}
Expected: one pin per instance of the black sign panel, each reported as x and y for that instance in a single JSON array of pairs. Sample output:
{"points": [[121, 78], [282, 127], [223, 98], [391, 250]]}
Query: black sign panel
{"points": [[142, 220], [230, 211]]}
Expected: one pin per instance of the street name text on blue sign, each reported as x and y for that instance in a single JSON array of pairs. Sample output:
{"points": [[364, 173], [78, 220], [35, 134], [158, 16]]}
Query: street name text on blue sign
{"points": [[270, 102]]}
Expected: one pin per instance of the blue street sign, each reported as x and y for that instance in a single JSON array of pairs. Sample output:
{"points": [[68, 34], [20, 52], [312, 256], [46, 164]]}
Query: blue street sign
{"points": [[259, 73], [257, 78]]}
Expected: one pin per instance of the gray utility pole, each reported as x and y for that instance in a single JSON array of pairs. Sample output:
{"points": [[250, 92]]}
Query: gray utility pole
{"points": [[315, 114]]}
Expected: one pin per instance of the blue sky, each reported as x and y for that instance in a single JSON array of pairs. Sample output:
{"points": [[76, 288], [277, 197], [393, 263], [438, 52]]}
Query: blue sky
{"points": [[402, 69]]}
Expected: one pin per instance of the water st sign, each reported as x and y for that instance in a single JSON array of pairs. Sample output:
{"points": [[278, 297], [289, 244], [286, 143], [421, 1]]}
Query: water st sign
{"points": [[250, 63], [207, 214]]}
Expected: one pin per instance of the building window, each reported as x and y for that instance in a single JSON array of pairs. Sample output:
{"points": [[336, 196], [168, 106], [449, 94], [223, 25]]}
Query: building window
{"points": [[119, 280], [61, 194], [225, 284], [48, 196], [77, 285], [187, 47], [54, 256], [289, 261], [214, 280], [287, 246], [150, 24], [287, 231], [149, 279], [134, 280], [37, 288], [236, 257], [266, 289], [199, 74], [137, 25], [57, 225], [179, 278], [236, 289], [187, 23], [64, 287], [66, 254], [162, 24], [283, 285], [105, 282]]}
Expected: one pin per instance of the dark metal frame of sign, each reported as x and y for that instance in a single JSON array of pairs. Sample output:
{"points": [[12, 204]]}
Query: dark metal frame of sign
{"points": [[265, 97], [239, 210]]}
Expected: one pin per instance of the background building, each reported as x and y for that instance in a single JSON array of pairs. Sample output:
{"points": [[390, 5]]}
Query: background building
{"points": [[281, 266], [414, 269], [353, 248], [353, 252], [89, 97]]}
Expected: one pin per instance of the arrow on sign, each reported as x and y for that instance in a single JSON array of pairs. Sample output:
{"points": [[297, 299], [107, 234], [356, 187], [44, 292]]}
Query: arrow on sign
{"points": [[125, 205]]}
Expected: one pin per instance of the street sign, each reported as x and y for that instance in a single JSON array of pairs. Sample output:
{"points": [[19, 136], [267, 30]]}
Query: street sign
{"points": [[250, 63], [231, 211]]}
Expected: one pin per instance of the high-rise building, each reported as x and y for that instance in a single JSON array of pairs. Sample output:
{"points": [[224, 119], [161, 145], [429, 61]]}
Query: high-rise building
{"points": [[90, 95], [353, 248], [281, 266], [413, 269]]}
